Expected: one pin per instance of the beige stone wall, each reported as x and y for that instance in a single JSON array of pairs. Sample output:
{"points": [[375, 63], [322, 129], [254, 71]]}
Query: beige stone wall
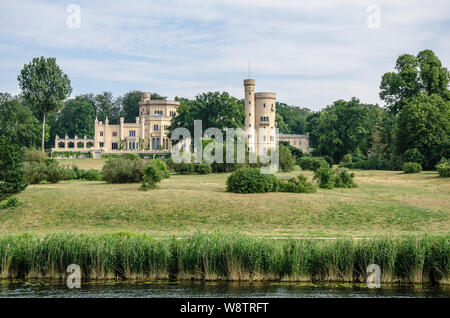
{"points": [[265, 121], [149, 132], [298, 141]]}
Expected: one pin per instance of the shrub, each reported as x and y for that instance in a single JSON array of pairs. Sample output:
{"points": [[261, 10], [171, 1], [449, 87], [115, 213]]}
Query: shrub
{"points": [[312, 163], [299, 184], [344, 179], [443, 168], [54, 172], [11, 202], [325, 177], [347, 159], [413, 155], [152, 175], [34, 172], [122, 170], [184, 167], [329, 178], [77, 171], [160, 165], [297, 153], [286, 159], [329, 160], [202, 168], [31, 154], [91, 175], [11, 173], [70, 174], [251, 180], [412, 167]]}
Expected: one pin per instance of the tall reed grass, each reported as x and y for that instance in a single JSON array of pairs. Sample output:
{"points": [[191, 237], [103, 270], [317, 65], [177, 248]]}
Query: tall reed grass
{"points": [[225, 257]]}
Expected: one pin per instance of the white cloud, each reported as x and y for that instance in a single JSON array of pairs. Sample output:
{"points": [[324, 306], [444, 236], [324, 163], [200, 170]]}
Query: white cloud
{"points": [[309, 52]]}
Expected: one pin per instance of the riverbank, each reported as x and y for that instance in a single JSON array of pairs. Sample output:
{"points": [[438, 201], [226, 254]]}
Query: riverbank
{"points": [[229, 257]]}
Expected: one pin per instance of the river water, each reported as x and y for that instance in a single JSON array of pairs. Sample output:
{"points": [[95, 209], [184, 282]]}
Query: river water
{"points": [[189, 289]]}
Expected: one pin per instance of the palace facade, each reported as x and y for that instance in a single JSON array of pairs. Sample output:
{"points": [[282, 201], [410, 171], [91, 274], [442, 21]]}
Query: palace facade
{"points": [[149, 133]]}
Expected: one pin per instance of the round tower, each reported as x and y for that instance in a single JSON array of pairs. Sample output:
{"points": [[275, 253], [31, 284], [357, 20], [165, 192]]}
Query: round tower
{"points": [[249, 100], [265, 119]]}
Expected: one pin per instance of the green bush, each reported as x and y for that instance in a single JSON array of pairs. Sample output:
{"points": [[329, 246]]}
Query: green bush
{"points": [[129, 156], [312, 163], [184, 168], [31, 154], [160, 165], [91, 175], [328, 178], [329, 160], [152, 175], [34, 172], [202, 168], [443, 168], [347, 159], [344, 179], [412, 167], [11, 202], [251, 180], [122, 170], [297, 153], [325, 177], [54, 172], [299, 184], [286, 159], [413, 155], [11, 173]]}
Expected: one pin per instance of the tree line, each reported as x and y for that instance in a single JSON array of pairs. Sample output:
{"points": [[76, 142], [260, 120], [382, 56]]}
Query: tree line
{"points": [[412, 126]]}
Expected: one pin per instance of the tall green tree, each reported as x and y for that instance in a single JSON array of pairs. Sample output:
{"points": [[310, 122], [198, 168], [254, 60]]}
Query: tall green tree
{"points": [[76, 118], [423, 128], [294, 118], [11, 175], [44, 87], [17, 122], [344, 127], [413, 75], [214, 109], [130, 104]]}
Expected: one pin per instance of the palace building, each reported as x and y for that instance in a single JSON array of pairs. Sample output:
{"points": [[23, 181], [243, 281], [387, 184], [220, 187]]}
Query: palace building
{"points": [[149, 133]]}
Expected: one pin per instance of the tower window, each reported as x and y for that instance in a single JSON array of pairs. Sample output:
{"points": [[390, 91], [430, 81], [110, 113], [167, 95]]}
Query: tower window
{"points": [[249, 102], [249, 93], [264, 105], [249, 114], [101, 134]]}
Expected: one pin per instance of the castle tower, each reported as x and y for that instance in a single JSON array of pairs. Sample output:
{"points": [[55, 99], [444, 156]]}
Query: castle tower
{"points": [[259, 117], [249, 100], [265, 121]]}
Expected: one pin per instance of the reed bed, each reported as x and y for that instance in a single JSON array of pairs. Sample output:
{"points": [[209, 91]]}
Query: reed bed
{"points": [[219, 256]]}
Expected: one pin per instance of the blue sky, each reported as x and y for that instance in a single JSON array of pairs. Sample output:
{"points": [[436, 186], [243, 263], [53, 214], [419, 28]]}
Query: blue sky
{"points": [[310, 53]]}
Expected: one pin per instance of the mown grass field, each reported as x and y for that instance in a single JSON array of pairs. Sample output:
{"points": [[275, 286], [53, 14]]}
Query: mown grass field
{"points": [[385, 202]]}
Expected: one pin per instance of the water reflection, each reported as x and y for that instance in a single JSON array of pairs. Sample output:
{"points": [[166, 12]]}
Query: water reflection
{"points": [[195, 289]]}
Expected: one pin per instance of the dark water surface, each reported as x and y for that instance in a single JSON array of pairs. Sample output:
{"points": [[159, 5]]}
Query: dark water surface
{"points": [[189, 289]]}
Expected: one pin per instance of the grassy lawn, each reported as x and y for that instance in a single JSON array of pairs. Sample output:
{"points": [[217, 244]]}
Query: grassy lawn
{"points": [[385, 202]]}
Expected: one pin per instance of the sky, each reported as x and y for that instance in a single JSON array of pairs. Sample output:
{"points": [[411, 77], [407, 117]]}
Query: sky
{"points": [[310, 53]]}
